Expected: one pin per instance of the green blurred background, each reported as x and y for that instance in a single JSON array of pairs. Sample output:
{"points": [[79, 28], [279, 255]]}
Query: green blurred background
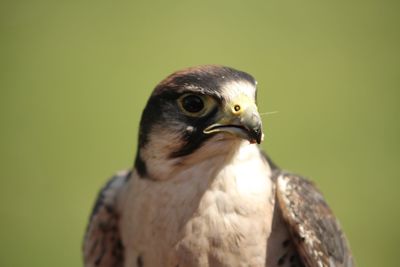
{"points": [[75, 75]]}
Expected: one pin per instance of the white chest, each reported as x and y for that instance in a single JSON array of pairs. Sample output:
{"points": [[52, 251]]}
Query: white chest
{"points": [[206, 216]]}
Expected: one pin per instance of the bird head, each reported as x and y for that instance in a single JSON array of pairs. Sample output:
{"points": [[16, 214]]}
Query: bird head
{"points": [[198, 107]]}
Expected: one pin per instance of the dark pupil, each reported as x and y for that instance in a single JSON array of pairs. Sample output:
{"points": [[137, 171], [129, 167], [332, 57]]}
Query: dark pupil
{"points": [[192, 103]]}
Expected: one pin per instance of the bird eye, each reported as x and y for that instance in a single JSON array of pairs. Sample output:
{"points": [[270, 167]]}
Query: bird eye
{"points": [[192, 103]]}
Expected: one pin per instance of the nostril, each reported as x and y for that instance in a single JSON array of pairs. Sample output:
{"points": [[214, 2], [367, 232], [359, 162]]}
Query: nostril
{"points": [[237, 108]]}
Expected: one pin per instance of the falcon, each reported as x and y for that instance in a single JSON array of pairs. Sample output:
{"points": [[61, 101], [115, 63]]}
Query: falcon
{"points": [[202, 193]]}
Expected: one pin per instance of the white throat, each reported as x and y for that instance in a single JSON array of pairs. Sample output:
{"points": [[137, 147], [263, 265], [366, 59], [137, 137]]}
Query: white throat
{"points": [[219, 152], [227, 164]]}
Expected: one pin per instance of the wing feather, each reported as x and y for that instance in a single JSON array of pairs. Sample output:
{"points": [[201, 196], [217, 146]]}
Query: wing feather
{"points": [[102, 245], [314, 229]]}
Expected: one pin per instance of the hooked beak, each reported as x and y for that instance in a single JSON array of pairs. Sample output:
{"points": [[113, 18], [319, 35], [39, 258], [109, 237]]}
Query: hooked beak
{"points": [[240, 118]]}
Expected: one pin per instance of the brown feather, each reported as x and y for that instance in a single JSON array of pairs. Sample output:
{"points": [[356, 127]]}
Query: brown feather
{"points": [[102, 245], [314, 229]]}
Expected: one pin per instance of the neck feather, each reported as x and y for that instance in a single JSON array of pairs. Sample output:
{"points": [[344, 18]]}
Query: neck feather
{"points": [[217, 152]]}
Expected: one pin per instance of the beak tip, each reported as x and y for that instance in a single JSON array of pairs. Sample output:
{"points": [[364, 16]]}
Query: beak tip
{"points": [[257, 137]]}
